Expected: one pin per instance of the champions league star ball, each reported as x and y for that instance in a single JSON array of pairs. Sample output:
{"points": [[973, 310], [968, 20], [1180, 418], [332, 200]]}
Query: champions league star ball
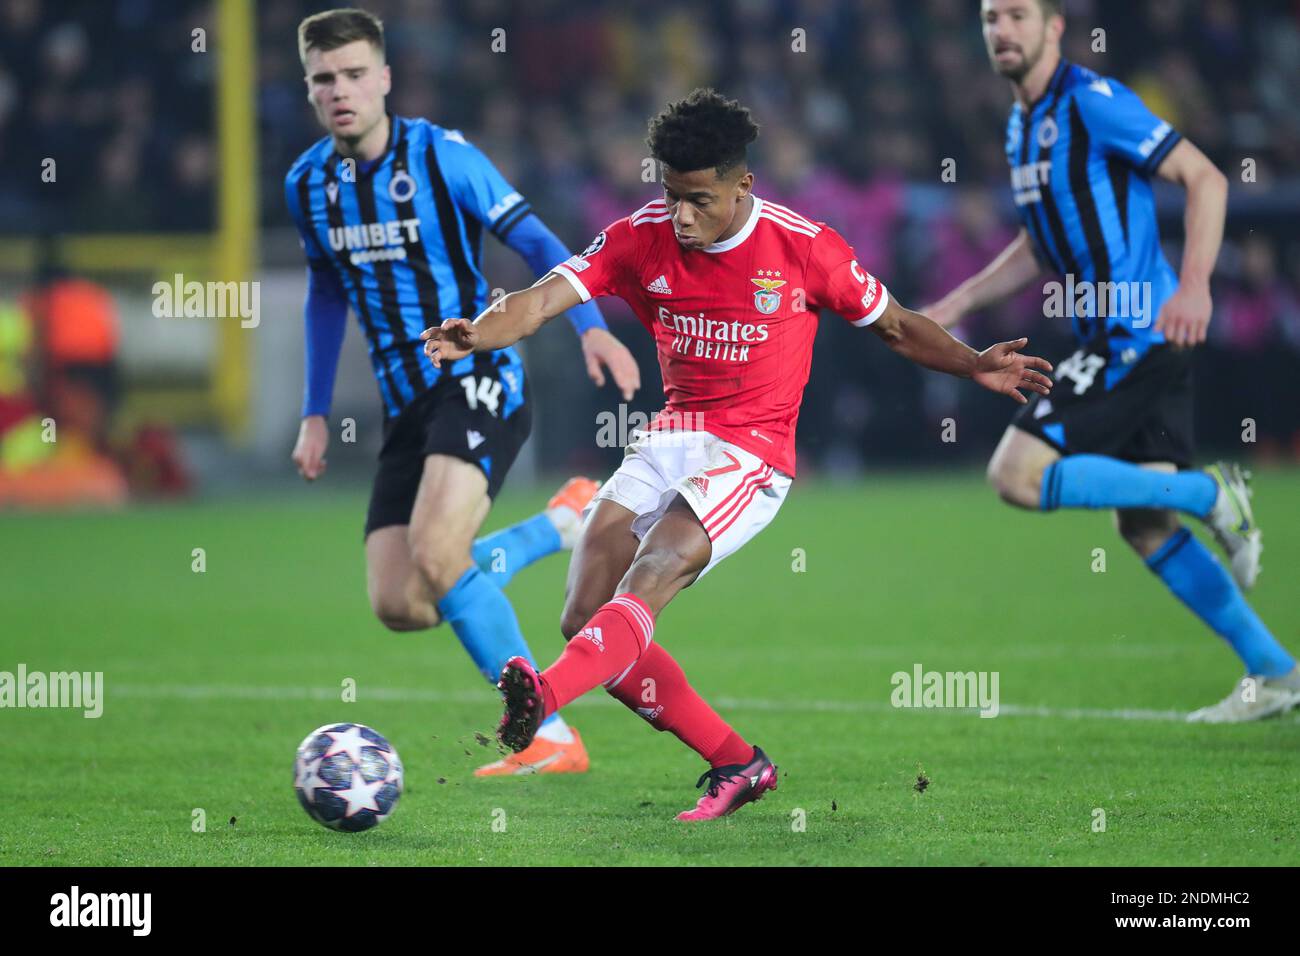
{"points": [[347, 777]]}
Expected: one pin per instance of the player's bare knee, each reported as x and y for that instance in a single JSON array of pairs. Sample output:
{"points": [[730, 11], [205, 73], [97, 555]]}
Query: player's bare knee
{"points": [[439, 565], [1015, 484], [401, 624], [999, 475], [395, 614], [1146, 530], [1146, 543]]}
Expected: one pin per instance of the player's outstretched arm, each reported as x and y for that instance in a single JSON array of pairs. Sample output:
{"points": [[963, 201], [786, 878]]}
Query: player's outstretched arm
{"points": [[1014, 268], [501, 324], [1000, 368], [540, 248], [1185, 316]]}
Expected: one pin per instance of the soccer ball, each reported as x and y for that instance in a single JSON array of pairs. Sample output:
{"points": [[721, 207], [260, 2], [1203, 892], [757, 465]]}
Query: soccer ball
{"points": [[347, 777]]}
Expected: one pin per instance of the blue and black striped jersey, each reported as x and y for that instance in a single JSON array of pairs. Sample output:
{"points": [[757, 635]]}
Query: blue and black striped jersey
{"points": [[1082, 158], [404, 235]]}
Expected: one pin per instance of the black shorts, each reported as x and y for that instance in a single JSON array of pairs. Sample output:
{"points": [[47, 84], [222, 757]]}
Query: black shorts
{"points": [[464, 417], [1146, 417]]}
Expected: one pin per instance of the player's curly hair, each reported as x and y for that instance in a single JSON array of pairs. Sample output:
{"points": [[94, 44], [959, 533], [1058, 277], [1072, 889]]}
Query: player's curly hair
{"points": [[704, 131]]}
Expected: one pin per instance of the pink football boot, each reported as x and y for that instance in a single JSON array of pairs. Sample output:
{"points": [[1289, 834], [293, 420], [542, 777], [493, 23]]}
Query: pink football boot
{"points": [[521, 686], [733, 786]]}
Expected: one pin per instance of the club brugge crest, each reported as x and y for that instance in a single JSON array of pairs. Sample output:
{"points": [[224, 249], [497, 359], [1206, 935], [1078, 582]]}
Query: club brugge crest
{"points": [[767, 300], [1047, 132], [402, 186]]}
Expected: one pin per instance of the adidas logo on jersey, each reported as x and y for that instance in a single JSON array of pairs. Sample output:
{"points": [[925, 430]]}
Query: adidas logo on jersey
{"points": [[474, 438], [700, 483], [659, 286]]}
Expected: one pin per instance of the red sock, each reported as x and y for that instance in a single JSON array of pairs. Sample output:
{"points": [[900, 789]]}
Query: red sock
{"points": [[656, 688], [615, 637]]}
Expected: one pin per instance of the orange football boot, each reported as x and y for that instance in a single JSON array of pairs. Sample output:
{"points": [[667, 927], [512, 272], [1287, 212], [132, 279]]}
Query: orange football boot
{"points": [[576, 493], [566, 507], [541, 756]]}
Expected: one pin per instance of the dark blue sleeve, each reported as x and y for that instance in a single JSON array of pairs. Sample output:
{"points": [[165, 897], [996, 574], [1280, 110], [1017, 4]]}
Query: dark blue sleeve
{"points": [[540, 248], [325, 318]]}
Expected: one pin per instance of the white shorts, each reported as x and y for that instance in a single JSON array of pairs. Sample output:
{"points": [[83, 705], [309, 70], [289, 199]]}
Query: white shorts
{"points": [[733, 493]]}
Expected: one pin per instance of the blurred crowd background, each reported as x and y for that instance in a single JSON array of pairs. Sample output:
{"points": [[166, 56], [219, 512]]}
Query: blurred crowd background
{"points": [[860, 103]]}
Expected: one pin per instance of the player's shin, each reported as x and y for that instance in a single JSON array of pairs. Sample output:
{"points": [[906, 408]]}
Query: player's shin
{"points": [[1197, 579], [656, 688], [607, 647], [484, 621], [1095, 481]]}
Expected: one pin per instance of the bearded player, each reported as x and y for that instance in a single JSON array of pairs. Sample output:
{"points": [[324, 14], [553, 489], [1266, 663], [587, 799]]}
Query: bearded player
{"points": [[391, 211], [729, 285], [1117, 432]]}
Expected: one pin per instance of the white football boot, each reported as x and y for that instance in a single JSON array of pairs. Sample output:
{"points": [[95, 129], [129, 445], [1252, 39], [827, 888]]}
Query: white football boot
{"points": [[1233, 522], [1254, 698]]}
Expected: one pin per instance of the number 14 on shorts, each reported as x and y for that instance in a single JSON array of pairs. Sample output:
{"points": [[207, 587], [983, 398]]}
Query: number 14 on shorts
{"points": [[1080, 368], [482, 390]]}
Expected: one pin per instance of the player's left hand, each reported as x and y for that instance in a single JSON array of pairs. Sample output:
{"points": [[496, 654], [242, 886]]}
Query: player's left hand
{"points": [[600, 348], [1001, 368], [1185, 316]]}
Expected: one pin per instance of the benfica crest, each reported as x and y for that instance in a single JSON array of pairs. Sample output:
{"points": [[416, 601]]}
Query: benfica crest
{"points": [[767, 300]]}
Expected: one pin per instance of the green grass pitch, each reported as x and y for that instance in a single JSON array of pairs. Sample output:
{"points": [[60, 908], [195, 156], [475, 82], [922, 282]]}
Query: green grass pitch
{"points": [[212, 679]]}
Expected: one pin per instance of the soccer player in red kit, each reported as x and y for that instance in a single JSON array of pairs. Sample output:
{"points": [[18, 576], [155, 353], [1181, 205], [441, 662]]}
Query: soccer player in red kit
{"points": [[729, 285]]}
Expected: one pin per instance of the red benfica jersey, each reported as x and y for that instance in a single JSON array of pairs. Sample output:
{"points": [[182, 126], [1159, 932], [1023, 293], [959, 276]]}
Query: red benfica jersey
{"points": [[733, 322]]}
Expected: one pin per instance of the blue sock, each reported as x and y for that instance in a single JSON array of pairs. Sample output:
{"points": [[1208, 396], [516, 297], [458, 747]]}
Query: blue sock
{"points": [[1198, 580], [484, 621], [1094, 481], [502, 554]]}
